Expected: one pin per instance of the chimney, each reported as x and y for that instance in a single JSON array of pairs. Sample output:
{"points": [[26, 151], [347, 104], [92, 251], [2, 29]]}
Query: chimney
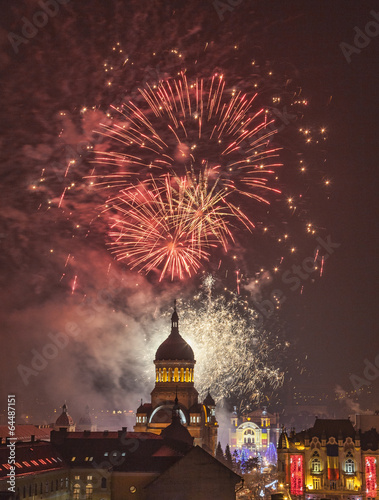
{"points": [[87, 433], [122, 432], [32, 438], [105, 433]]}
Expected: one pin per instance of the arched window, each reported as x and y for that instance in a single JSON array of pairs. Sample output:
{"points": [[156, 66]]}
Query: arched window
{"points": [[176, 375], [181, 375], [248, 436], [315, 465], [76, 492], [349, 466], [164, 375], [103, 482], [187, 375], [169, 376], [89, 491]]}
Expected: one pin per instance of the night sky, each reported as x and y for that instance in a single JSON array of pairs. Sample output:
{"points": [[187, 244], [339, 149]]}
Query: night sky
{"points": [[49, 247]]}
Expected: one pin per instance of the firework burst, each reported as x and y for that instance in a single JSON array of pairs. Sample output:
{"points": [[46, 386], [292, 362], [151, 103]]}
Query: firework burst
{"points": [[235, 358], [214, 145], [174, 225]]}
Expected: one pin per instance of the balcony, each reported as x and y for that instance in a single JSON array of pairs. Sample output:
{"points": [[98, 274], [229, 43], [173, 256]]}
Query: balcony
{"points": [[316, 472]]}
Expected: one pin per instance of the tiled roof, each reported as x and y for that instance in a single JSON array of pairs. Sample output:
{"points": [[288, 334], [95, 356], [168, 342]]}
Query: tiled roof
{"points": [[31, 458], [370, 440], [200, 457], [119, 451], [332, 427], [24, 432], [144, 408], [327, 428]]}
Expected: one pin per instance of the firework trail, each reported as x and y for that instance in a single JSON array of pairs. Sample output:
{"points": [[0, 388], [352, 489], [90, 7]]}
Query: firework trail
{"points": [[216, 147], [235, 358], [174, 226]]}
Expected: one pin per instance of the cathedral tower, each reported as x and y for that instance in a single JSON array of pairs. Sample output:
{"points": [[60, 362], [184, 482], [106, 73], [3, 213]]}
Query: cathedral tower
{"points": [[174, 385]]}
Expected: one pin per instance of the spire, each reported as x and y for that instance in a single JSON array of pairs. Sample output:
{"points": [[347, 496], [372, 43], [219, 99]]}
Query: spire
{"points": [[175, 320], [176, 408]]}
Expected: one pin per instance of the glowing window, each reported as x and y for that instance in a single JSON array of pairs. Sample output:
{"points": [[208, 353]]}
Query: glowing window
{"points": [[76, 492], [316, 465], [349, 466], [89, 491]]}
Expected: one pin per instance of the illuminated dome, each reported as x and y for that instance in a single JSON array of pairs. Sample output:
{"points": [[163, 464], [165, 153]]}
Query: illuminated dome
{"points": [[174, 347]]}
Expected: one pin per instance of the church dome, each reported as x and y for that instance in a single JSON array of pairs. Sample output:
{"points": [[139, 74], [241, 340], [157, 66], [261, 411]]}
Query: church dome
{"points": [[174, 347], [64, 419]]}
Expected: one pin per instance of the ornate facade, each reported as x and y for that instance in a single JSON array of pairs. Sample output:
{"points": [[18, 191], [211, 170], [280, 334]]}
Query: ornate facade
{"points": [[254, 431], [174, 377], [329, 460]]}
